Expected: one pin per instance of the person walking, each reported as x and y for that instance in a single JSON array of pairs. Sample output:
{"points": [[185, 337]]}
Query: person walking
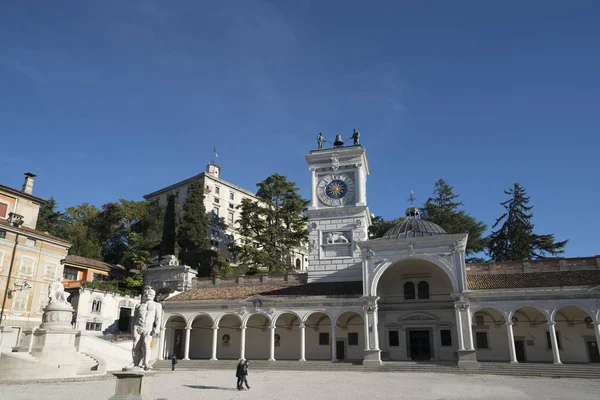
{"points": [[173, 362], [245, 375], [239, 374]]}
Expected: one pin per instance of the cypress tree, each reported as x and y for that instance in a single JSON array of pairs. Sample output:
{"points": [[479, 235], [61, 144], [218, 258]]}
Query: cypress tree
{"points": [[168, 244], [193, 231], [514, 239]]}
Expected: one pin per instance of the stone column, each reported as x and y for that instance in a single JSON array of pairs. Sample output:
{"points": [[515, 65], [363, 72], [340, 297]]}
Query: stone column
{"points": [[333, 343], [214, 342], [555, 352], [459, 329], [313, 187], [243, 345], [511, 342], [360, 185], [302, 342], [186, 349], [469, 332], [272, 342], [161, 344], [597, 330], [366, 323], [376, 329]]}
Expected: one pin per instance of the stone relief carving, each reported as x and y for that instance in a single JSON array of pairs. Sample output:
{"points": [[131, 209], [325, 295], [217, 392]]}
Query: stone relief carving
{"points": [[335, 162], [370, 254], [358, 222], [242, 311], [312, 246], [336, 237], [411, 249]]}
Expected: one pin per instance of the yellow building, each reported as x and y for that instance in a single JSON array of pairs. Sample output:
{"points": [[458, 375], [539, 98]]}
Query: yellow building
{"points": [[29, 259]]}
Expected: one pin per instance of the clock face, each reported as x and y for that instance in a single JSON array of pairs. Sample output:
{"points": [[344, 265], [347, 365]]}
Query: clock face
{"points": [[336, 189]]}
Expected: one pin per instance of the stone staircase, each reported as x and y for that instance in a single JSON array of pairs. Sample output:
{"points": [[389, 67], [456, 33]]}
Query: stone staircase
{"points": [[86, 364], [589, 371]]}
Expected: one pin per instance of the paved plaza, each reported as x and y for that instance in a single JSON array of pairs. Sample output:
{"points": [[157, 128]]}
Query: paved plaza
{"points": [[266, 385]]}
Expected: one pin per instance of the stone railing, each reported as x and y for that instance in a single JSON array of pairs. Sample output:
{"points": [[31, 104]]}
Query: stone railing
{"points": [[549, 265], [250, 280]]}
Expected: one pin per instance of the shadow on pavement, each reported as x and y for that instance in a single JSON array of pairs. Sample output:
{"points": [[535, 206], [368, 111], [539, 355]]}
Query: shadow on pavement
{"points": [[209, 387]]}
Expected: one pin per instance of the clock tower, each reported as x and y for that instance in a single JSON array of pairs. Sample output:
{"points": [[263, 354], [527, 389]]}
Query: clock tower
{"points": [[338, 216]]}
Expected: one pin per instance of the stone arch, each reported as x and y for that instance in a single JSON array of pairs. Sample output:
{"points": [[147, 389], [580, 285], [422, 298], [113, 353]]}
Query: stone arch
{"points": [[190, 321], [308, 314], [167, 317], [357, 311], [174, 325], [318, 335], [484, 307], [228, 337], [218, 319], [498, 319], [351, 331], [544, 312], [560, 308], [252, 314], [279, 314], [444, 265]]}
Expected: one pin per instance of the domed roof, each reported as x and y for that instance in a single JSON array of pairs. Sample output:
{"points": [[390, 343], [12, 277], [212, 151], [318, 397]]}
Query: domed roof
{"points": [[413, 226]]}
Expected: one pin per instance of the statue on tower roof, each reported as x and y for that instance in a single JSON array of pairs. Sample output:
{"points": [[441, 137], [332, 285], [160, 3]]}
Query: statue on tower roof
{"points": [[355, 136], [320, 140]]}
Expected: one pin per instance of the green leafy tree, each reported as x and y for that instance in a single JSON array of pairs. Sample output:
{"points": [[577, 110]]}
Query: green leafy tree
{"points": [[221, 267], [80, 223], [193, 231], [275, 225], [444, 210], [379, 226], [513, 239], [168, 244], [51, 220]]}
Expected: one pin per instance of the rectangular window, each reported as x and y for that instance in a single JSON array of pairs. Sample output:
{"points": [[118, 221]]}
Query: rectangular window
{"points": [[231, 196], [217, 190], [230, 219], [446, 337], [231, 206], [352, 338], [324, 339], [217, 200], [481, 339], [50, 271], [215, 211], [479, 321], [99, 277], [30, 242], [2, 234], [394, 338], [27, 265], [70, 274], [93, 326], [3, 210], [43, 301], [550, 342], [20, 300]]}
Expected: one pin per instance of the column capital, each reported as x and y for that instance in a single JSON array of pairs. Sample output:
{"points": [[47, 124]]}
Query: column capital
{"points": [[215, 328], [302, 325], [551, 323], [509, 323], [188, 328], [272, 326], [243, 326]]}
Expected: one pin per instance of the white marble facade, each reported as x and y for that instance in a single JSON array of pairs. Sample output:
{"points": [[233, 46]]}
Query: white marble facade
{"points": [[408, 296]]}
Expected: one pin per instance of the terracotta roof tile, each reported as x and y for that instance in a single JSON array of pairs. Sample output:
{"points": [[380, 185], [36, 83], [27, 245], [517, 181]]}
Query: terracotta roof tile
{"points": [[534, 280], [90, 262], [242, 292]]}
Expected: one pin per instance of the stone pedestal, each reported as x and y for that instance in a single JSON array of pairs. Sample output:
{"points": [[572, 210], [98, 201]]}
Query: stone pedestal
{"points": [[467, 359], [372, 358], [129, 384]]}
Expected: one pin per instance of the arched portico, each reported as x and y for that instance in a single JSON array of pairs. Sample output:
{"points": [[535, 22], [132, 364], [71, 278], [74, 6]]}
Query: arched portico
{"points": [[577, 337], [227, 338], [174, 325], [200, 331], [350, 336], [288, 336], [319, 333], [258, 329]]}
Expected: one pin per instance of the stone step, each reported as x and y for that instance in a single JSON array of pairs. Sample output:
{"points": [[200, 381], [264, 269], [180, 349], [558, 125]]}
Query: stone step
{"points": [[532, 369], [86, 364]]}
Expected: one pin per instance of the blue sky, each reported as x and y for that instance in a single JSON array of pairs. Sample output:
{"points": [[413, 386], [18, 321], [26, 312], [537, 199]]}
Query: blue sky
{"points": [[113, 99]]}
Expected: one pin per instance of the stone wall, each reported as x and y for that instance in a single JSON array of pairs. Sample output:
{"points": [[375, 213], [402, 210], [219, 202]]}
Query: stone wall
{"points": [[549, 265]]}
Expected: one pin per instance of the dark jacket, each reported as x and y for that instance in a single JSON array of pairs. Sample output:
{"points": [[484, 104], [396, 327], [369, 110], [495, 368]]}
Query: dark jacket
{"points": [[245, 370], [240, 370]]}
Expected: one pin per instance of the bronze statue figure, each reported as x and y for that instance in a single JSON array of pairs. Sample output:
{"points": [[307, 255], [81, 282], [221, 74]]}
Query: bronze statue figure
{"points": [[355, 136], [320, 140]]}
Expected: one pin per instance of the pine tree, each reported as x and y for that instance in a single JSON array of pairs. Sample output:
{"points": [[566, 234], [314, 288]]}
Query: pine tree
{"points": [[379, 226], [276, 224], [443, 210], [514, 240], [168, 244], [193, 231], [51, 220]]}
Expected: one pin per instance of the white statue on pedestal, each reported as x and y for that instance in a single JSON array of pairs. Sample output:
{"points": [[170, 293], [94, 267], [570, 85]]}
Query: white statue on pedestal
{"points": [[147, 320], [56, 292]]}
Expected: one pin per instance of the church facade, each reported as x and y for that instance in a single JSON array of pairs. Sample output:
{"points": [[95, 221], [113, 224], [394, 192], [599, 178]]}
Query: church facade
{"points": [[406, 296]]}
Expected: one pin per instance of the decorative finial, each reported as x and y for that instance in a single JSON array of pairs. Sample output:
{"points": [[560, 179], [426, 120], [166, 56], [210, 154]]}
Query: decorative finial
{"points": [[215, 155], [412, 197], [412, 212]]}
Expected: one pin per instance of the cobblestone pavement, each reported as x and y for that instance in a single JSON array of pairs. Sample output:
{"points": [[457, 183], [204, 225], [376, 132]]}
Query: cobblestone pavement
{"points": [[266, 385]]}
